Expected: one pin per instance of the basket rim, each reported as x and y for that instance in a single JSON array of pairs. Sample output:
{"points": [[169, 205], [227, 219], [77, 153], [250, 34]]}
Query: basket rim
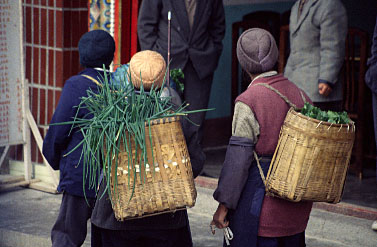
{"points": [[162, 120], [299, 114]]}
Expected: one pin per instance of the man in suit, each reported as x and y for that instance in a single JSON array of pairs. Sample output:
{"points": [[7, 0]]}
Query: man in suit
{"points": [[371, 81], [318, 30], [197, 31]]}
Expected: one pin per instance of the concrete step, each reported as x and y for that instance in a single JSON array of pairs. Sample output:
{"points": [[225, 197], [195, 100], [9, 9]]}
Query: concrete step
{"points": [[334, 229]]}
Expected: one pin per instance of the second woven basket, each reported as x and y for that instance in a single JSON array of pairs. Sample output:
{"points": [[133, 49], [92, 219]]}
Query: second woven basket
{"points": [[311, 159]]}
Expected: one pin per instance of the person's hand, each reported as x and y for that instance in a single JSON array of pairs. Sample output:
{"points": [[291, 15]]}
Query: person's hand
{"points": [[219, 218], [324, 89]]}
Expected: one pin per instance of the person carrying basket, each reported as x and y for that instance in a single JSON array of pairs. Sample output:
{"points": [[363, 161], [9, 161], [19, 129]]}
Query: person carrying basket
{"points": [[253, 218]]}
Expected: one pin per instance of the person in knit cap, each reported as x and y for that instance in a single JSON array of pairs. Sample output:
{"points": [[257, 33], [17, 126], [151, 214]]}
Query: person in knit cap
{"points": [[148, 69], [253, 218], [96, 51]]}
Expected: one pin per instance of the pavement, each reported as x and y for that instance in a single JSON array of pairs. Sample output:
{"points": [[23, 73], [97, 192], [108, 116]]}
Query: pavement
{"points": [[27, 216]]}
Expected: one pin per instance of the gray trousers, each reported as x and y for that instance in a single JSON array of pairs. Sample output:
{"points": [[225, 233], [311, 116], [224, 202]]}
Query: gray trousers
{"points": [[70, 227], [196, 94]]}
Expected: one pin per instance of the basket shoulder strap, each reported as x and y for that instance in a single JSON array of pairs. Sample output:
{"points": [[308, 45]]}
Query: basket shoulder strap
{"points": [[303, 97], [92, 79], [260, 169], [281, 95]]}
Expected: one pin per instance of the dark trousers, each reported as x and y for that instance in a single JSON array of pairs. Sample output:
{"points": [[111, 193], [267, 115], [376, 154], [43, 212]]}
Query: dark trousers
{"points": [[329, 106], [141, 238], [71, 226], [244, 221], [297, 240], [374, 104], [196, 94]]}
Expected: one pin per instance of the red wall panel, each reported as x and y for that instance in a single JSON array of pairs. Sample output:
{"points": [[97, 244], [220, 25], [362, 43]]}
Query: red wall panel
{"points": [[51, 56], [51, 39]]}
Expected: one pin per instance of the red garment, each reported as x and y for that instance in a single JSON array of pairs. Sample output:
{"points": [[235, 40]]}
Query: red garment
{"points": [[283, 218], [278, 217], [269, 109]]}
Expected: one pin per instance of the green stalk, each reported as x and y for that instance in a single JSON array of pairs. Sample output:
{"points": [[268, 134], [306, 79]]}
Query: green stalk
{"points": [[118, 116]]}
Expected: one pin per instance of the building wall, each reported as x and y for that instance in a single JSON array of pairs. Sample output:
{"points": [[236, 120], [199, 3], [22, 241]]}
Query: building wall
{"points": [[52, 29], [221, 87], [361, 14]]}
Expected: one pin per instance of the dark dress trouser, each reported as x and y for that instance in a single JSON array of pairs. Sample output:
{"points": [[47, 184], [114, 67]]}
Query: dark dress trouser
{"points": [[330, 106], [196, 93], [141, 238], [244, 221], [169, 229], [70, 227], [374, 104]]}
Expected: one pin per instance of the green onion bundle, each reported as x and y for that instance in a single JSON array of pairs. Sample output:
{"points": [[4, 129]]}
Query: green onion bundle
{"points": [[118, 115]]}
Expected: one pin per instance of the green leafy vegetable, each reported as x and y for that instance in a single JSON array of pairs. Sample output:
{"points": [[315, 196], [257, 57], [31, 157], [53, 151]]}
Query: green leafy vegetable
{"points": [[177, 75], [329, 116]]}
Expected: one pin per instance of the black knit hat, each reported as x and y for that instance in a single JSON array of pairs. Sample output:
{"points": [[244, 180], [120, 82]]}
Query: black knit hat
{"points": [[96, 48]]}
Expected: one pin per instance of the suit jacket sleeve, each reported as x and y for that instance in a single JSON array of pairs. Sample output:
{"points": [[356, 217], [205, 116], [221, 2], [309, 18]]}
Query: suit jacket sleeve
{"points": [[371, 75], [217, 25], [149, 16], [333, 31], [373, 58]]}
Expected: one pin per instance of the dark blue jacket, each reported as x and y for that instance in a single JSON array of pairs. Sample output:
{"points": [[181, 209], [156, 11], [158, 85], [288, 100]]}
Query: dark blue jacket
{"points": [[371, 75], [59, 140]]}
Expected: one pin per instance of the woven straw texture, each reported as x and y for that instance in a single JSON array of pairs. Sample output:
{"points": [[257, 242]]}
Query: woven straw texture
{"points": [[311, 159], [164, 185], [147, 67]]}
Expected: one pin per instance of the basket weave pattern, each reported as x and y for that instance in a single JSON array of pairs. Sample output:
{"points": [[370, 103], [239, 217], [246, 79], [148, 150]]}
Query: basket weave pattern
{"points": [[311, 160], [164, 185]]}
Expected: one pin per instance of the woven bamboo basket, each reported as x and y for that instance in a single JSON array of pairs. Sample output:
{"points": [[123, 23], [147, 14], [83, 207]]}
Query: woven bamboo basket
{"points": [[164, 185], [311, 159]]}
